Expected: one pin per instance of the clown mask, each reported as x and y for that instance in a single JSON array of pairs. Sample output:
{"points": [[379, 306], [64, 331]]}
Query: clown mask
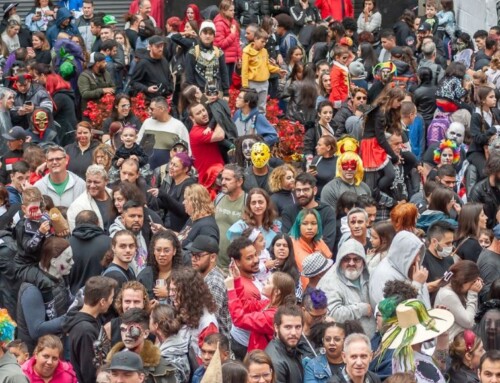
{"points": [[260, 155], [456, 132], [40, 121], [246, 147]]}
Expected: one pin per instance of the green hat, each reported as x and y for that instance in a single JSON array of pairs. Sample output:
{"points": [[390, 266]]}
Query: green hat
{"points": [[109, 20]]}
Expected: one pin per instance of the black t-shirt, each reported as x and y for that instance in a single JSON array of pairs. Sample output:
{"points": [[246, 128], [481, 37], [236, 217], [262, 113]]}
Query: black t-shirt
{"points": [[262, 181], [107, 212], [436, 266]]}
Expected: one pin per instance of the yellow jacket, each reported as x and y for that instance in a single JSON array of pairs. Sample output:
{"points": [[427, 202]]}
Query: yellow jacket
{"points": [[255, 65]]}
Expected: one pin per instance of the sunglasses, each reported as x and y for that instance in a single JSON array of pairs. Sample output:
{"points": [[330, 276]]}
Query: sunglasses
{"points": [[359, 98]]}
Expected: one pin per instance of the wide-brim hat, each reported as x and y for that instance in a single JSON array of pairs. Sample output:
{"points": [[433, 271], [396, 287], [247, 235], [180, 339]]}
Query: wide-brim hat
{"points": [[315, 264], [413, 316], [8, 6]]}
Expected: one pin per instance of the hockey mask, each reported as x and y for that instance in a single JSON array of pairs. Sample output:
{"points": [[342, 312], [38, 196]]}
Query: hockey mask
{"points": [[456, 133], [40, 121], [260, 154], [246, 147]]}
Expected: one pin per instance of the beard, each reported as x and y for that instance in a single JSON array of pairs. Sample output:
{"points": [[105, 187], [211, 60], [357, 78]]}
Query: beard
{"points": [[352, 274], [102, 69]]}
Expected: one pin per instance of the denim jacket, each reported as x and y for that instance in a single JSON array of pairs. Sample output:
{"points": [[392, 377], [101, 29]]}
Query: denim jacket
{"points": [[317, 370]]}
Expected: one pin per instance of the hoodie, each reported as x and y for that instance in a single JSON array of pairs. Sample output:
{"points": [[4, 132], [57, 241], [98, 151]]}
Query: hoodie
{"points": [[255, 123], [56, 28], [10, 371], [82, 330], [404, 249], [255, 65], [63, 373], [175, 350], [150, 71], [348, 299]]}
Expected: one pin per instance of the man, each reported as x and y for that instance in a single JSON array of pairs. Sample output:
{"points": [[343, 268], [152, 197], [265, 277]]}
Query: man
{"points": [[429, 61], [414, 128], [305, 192], [89, 244], [145, 10], [83, 23], [229, 206], [96, 24], [314, 309], [388, 42], [95, 81], [369, 205], [424, 32], [483, 57], [132, 218], [97, 198], [134, 331], [288, 323], [480, 37], [357, 356], [208, 349], [346, 287], [437, 258], [115, 67], [257, 175], [357, 221], [10, 371], [160, 132], [288, 39], [402, 263], [126, 367], [204, 141], [19, 179], [204, 250], [82, 327], [62, 23], [489, 367], [152, 74], [487, 191], [242, 251], [15, 138], [205, 64], [63, 186], [489, 264]]}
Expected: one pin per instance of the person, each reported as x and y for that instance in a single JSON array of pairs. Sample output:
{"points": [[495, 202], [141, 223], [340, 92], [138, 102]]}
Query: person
{"points": [[15, 139], [259, 366], [89, 244], [229, 206], [129, 149], [19, 177], [97, 198], [441, 203], [83, 328], [381, 236], [117, 261], [314, 309], [370, 20], [403, 263], [281, 250], [10, 371], [103, 155], [134, 330], [95, 81], [471, 221], [233, 371], [322, 127], [211, 344], [60, 184], [323, 165], [227, 35], [281, 184], [466, 351], [63, 23], [485, 191], [288, 322], [128, 366], [46, 364], [19, 349], [346, 286], [121, 112], [80, 152], [357, 222], [489, 367], [487, 263]]}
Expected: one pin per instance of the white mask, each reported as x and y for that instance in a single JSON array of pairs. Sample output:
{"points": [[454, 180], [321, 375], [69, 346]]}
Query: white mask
{"points": [[61, 265], [456, 132], [445, 252]]}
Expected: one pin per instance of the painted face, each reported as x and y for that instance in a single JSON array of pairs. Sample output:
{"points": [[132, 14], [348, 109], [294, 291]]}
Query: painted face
{"points": [[62, 265], [456, 132], [40, 120], [246, 147], [133, 335], [349, 170], [33, 211], [447, 157], [260, 154]]}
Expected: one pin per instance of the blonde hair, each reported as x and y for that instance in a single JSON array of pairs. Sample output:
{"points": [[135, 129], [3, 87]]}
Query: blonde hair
{"points": [[201, 201], [49, 341], [277, 176]]}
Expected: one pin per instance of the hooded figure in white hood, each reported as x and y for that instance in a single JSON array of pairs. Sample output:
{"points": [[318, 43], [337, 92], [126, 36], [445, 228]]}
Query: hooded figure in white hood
{"points": [[346, 287], [403, 263]]}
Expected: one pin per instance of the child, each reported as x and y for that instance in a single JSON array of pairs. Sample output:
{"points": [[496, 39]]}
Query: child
{"points": [[257, 67], [19, 178], [485, 238], [446, 25], [339, 77], [382, 234], [265, 261], [430, 15], [19, 349], [130, 148]]}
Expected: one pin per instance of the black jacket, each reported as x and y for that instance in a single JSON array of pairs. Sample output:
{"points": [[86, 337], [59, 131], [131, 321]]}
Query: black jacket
{"points": [[287, 363], [489, 196], [338, 121], [249, 11], [80, 161], [65, 115], [9, 285], [462, 375], [6, 162], [89, 244], [282, 199], [171, 201], [370, 377], [481, 132], [150, 71], [425, 101]]}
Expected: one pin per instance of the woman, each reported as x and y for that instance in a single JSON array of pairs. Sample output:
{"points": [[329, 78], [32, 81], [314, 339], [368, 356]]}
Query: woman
{"points": [[47, 364], [260, 367], [319, 38], [441, 202], [166, 255], [324, 164], [281, 250], [321, 128], [174, 348], [330, 363], [171, 199], [458, 291], [260, 213], [132, 31], [404, 217], [40, 16], [453, 88], [256, 316], [483, 127], [425, 94], [370, 20], [234, 371], [227, 35], [185, 40], [194, 304], [353, 107], [7, 98], [192, 14], [121, 112], [200, 209], [11, 36], [145, 31], [465, 352], [382, 234], [303, 94], [306, 233], [42, 48], [281, 183], [80, 152], [471, 221], [122, 39], [369, 58], [324, 87], [103, 155], [405, 35], [190, 95], [446, 153]]}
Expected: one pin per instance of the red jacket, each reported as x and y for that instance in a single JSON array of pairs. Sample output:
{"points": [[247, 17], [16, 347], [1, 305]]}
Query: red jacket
{"points": [[227, 41], [334, 8], [339, 77], [63, 373], [252, 315]]}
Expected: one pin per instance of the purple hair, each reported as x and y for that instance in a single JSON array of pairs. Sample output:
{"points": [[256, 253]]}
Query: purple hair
{"points": [[318, 299], [185, 159]]}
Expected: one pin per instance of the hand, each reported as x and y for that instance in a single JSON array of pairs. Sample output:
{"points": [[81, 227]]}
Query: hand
{"points": [[283, 73], [280, 60], [31, 53], [119, 162], [233, 270], [234, 29], [152, 89], [312, 172], [49, 13], [229, 282], [44, 227], [109, 90], [225, 98], [420, 274], [477, 286], [41, 169], [152, 304], [271, 264], [154, 192], [160, 291], [134, 157], [156, 228], [36, 17], [63, 234], [207, 131], [370, 310]]}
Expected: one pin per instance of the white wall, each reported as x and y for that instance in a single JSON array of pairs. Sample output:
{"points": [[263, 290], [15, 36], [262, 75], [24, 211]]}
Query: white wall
{"points": [[473, 15]]}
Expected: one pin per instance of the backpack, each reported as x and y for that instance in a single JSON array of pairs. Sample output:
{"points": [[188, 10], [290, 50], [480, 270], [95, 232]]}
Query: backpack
{"points": [[438, 127]]}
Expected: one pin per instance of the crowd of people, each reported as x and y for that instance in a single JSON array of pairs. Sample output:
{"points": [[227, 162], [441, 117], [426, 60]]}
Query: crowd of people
{"points": [[153, 228]]}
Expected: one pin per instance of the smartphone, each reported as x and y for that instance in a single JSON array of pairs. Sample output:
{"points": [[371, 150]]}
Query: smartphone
{"points": [[313, 168], [28, 103], [150, 220]]}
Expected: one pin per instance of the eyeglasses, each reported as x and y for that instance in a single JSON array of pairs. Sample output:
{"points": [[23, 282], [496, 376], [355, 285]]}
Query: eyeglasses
{"points": [[179, 149], [256, 378], [198, 256], [359, 98], [125, 106], [55, 159], [302, 191], [334, 339], [352, 259], [318, 316]]}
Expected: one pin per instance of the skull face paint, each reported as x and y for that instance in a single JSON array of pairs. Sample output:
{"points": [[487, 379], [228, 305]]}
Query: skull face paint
{"points": [[260, 155], [40, 120], [456, 132], [246, 147]]}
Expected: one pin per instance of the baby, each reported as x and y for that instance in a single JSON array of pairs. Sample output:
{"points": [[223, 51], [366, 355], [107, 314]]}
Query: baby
{"points": [[129, 148]]}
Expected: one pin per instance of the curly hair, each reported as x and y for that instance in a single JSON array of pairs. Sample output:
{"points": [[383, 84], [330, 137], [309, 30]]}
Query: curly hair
{"points": [[131, 285], [447, 144], [404, 217], [400, 289], [464, 342], [278, 175], [167, 235], [193, 296], [130, 192], [270, 214], [200, 199]]}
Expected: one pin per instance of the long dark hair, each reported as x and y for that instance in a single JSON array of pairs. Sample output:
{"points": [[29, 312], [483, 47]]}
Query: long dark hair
{"points": [[468, 220], [440, 198], [114, 111], [368, 54], [308, 87], [269, 216], [290, 265], [168, 235], [462, 272]]}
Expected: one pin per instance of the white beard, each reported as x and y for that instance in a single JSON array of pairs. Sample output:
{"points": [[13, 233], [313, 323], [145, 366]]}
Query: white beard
{"points": [[353, 275]]}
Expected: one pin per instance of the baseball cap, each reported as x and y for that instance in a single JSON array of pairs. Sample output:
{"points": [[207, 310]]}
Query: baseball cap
{"points": [[207, 24], [424, 27], [126, 361], [203, 243], [14, 134], [156, 40], [95, 57], [109, 20]]}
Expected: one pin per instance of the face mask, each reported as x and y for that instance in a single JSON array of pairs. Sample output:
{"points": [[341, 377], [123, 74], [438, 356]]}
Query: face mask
{"points": [[260, 155], [456, 133], [445, 251]]}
